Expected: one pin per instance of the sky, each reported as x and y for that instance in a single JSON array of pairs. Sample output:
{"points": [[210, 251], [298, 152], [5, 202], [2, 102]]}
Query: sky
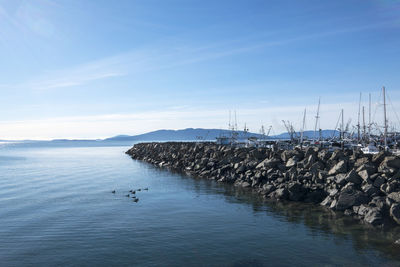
{"points": [[98, 68]]}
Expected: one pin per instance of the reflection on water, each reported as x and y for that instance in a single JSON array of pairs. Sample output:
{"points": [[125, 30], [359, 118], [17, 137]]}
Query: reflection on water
{"points": [[319, 220]]}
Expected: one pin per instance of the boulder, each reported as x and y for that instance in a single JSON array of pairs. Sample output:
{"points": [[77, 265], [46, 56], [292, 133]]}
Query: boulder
{"points": [[391, 162], [268, 163], [373, 216], [378, 158], [353, 177], [340, 167], [280, 194], [296, 191], [364, 175], [340, 179], [350, 197], [395, 196], [395, 212], [291, 162], [379, 181]]}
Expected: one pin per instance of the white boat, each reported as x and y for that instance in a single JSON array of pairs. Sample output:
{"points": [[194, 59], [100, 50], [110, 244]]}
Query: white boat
{"points": [[370, 149]]}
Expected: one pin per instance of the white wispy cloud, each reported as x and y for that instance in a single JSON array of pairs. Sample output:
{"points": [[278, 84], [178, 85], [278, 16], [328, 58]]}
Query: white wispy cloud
{"points": [[166, 55]]}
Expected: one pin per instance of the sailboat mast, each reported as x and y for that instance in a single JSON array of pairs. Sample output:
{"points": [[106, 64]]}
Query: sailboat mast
{"points": [[364, 129], [342, 127], [358, 123], [302, 128], [384, 115], [316, 119], [235, 122], [369, 119]]}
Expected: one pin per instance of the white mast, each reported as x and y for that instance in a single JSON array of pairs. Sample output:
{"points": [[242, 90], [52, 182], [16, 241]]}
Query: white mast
{"points": [[316, 119], [364, 130], [342, 127], [369, 119], [235, 122], [358, 123], [302, 129], [384, 115]]}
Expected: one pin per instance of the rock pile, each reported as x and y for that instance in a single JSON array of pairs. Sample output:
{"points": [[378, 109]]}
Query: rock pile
{"points": [[363, 186]]}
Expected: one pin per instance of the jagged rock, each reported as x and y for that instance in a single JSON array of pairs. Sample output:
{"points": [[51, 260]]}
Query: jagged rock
{"points": [[371, 169], [361, 161], [269, 163], [379, 181], [338, 168], [373, 217], [395, 212], [370, 190], [349, 198], [296, 191], [315, 196], [280, 194], [291, 162], [245, 184], [268, 188], [395, 196], [378, 158], [326, 202], [391, 162], [340, 179], [364, 175], [353, 177]]}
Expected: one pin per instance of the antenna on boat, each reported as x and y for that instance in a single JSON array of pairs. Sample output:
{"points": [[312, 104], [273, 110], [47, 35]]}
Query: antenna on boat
{"points": [[316, 119], [384, 115]]}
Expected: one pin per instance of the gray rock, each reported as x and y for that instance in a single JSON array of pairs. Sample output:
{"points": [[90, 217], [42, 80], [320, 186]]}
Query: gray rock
{"points": [[326, 202], [364, 174], [395, 196], [353, 177], [349, 198], [291, 162], [340, 179], [280, 194], [379, 181], [395, 212], [378, 158], [269, 163], [338, 168], [370, 190], [296, 191], [391, 162], [373, 217], [245, 184]]}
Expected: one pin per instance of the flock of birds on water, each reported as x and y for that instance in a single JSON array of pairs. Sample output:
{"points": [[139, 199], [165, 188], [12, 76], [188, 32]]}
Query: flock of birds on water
{"points": [[132, 193]]}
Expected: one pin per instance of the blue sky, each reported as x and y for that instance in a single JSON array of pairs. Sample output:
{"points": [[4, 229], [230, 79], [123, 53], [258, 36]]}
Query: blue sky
{"points": [[94, 68]]}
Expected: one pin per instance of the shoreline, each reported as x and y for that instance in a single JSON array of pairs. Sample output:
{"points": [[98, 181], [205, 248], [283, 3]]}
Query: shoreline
{"points": [[366, 187]]}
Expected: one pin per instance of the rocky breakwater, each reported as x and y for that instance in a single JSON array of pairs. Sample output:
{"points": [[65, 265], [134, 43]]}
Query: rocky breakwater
{"points": [[364, 186]]}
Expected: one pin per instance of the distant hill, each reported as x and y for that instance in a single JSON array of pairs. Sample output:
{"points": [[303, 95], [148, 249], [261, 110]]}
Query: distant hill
{"points": [[310, 134], [184, 135], [205, 134]]}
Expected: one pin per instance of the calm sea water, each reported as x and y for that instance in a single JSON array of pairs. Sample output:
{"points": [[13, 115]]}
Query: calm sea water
{"points": [[57, 209]]}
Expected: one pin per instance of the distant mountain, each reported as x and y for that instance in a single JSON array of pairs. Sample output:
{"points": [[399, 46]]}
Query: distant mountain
{"points": [[191, 134], [184, 135], [310, 134]]}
